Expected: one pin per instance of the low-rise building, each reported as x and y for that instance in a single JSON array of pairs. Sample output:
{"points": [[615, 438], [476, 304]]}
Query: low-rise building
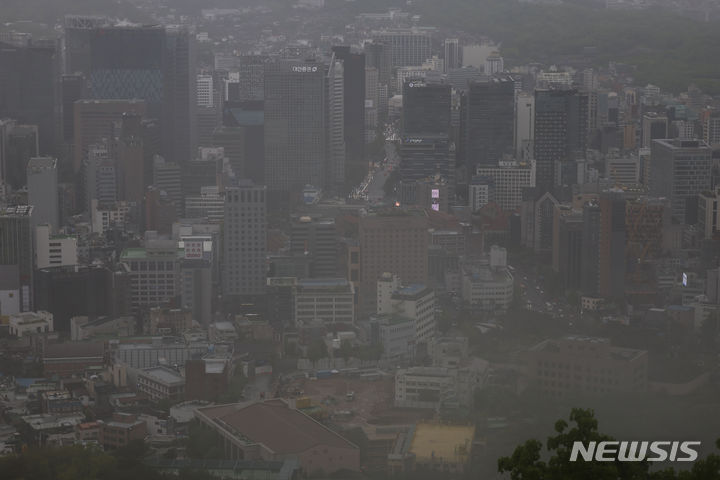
{"points": [[416, 302], [331, 300], [588, 365], [73, 358], [161, 383], [52, 250], [423, 387], [487, 284], [222, 332], [166, 321], [82, 328], [29, 323], [60, 402], [396, 334], [271, 430], [121, 430]]}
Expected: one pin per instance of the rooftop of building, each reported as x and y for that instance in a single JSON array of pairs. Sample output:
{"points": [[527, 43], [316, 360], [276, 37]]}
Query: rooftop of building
{"points": [[412, 292], [323, 282], [27, 318], [41, 163], [16, 211], [74, 350], [164, 374], [426, 371], [141, 253], [679, 143], [585, 346], [449, 443], [275, 425]]}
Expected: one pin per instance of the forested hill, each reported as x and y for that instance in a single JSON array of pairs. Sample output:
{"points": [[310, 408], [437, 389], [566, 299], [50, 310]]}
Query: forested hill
{"points": [[668, 50]]}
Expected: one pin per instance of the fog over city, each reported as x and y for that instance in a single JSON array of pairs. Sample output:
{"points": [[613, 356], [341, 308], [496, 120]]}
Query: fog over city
{"points": [[360, 239]]}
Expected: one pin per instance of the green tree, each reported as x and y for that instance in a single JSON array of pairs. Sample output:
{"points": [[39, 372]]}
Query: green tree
{"points": [[317, 350], [526, 462]]}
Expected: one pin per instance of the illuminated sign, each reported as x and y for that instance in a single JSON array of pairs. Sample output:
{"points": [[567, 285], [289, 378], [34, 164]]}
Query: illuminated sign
{"points": [[436, 207], [685, 279], [304, 69], [435, 193]]}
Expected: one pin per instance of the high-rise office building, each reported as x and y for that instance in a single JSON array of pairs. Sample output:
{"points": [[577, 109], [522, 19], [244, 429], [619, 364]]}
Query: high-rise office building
{"points": [[167, 177], [243, 137], [126, 62], [394, 241], [426, 108], [408, 46], [295, 127], [425, 156], [335, 121], [95, 122], [18, 144], [711, 128], [612, 243], [680, 170], [590, 276], [561, 119], [179, 113], [510, 179], [654, 127], [27, 88], [244, 245], [205, 90], [354, 111], [79, 31], [151, 63], [130, 158], [709, 213], [71, 90], [245, 80], [379, 55], [16, 258], [524, 125], [54, 250], [490, 120], [453, 54], [42, 185], [317, 239], [154, 273], [100, 175], [567, 246], [494, 64]]}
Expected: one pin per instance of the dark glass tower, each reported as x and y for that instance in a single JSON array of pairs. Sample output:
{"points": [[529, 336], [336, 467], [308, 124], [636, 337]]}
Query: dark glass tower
{"points": [[27, 88], [426, 108], [295, 147], [489, 121], [561, 128]]}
